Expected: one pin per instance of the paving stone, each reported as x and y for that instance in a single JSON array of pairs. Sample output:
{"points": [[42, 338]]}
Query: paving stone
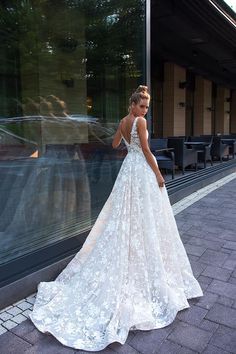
{"points": [[150, 341], [213, 257], [130, 336], [9, 324], [223, 288], [211, 349], [233, 255], [198, 268], [212, 227], [14, 311], [230, 264], [230, 244], [193, 209], [19, 318], [208, 325], [217, 272], [49, 345], [24, 305], [232, 280], [31, 299], [2, 330], [222, 314], [28, 331], [25, 327], [224, 338], [193, 258], [224, 225], [169, 347], [204, 279], [185, 227], [195, 250], [192, 315], [214, 245], [227, 251], [185, 238], [11, 344], [204, 287], [26, 312], [190, 336], [207, 300], [211, 236], [4, 316], [227, 235], [104, 351], [225, 301], [122, 349], [195, 231]]}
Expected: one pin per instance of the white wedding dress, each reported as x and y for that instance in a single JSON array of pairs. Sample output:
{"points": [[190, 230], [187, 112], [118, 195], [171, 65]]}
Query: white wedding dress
{"points": [[132, 271]]}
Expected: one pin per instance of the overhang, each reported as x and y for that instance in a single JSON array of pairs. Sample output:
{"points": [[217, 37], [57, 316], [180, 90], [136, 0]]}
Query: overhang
{"points": [[197, 34]]}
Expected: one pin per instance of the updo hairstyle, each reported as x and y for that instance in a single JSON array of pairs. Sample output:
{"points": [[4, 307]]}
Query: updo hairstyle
{"points": [[140, 93]]}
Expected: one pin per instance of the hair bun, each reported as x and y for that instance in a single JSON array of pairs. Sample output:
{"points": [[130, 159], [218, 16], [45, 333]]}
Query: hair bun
{"points": [[142, 88]]}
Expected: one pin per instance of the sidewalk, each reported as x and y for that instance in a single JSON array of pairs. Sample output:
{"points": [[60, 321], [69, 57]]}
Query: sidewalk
{"points": [[207, 224]]}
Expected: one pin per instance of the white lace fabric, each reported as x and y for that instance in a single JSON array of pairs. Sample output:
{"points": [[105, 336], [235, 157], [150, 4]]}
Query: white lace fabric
{"points": [[132, 271]]}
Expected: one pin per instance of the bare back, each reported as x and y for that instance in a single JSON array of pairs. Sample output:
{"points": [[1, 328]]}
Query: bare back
{"points": [[126, 128]]}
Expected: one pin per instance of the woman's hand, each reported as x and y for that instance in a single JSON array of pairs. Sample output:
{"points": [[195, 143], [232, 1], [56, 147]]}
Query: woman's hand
{"points": [[160, 180]]}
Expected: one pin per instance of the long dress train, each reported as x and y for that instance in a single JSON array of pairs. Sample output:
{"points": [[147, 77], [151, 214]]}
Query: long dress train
{"points": [[132, 271]]}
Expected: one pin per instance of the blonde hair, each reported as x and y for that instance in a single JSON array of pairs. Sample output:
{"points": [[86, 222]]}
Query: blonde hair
{"points": [[140, 93]]}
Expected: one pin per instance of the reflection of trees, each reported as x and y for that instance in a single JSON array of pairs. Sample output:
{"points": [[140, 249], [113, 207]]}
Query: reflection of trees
{"points": [[112, 28], [110, 32]]}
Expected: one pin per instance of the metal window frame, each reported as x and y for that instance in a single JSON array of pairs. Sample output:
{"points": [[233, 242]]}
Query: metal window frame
{"points": [[148, 59]]}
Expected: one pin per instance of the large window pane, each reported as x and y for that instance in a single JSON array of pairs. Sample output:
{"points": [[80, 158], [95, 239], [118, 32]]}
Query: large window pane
{"points": [[67, 69]]}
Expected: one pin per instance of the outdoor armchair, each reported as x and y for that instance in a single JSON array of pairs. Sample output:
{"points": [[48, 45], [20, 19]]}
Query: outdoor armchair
{"points": [[183, 156], [165, 156]]}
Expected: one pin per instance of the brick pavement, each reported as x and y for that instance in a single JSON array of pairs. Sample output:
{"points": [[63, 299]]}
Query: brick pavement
{"points": [[208, 231]]}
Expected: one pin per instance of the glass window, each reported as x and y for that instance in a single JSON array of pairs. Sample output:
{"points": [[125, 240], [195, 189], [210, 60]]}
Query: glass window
{"points": [[67, 69]]}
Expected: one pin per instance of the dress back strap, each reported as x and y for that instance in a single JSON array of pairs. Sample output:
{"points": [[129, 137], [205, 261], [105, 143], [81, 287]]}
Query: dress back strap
{"points": [[134, 125]]}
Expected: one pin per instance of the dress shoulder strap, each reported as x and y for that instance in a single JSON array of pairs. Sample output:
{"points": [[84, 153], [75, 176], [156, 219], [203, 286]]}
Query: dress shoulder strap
{"points": [[134, 125]]}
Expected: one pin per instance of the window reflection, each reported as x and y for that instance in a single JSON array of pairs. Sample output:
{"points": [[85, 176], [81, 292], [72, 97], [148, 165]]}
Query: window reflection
{"points": [[67, 69]]}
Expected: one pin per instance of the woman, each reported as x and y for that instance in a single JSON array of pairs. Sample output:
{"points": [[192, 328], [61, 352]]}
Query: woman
{"points": [[132, 272]]}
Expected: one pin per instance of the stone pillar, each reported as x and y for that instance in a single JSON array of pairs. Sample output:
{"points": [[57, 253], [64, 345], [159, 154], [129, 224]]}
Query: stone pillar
{"points": [[202, 105], [174, 100], [233, 113], [222, 110]]}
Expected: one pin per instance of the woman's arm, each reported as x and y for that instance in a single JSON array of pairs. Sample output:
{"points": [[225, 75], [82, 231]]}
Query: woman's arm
{"points": [[142, 131], [117, 138]]}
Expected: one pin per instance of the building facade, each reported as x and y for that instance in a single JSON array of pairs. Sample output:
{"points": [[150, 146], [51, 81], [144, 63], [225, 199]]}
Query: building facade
{"points": [[67, 70], [193, 68]]}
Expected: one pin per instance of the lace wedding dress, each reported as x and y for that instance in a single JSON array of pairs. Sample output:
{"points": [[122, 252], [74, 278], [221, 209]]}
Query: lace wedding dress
{"points": [[132, 271]]}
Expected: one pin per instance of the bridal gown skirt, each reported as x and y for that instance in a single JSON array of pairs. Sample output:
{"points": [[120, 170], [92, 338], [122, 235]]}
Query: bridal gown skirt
{"points": [[131, 273]]}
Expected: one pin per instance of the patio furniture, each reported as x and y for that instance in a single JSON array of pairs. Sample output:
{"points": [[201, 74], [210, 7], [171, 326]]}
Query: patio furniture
{"points": [[219, 150], [165, 156], [231, 142], [183, 156], [203, 147]]}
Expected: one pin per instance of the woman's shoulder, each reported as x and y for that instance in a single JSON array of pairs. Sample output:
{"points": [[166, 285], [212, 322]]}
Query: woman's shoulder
{"points": [[141, 121], [122, 120]]}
